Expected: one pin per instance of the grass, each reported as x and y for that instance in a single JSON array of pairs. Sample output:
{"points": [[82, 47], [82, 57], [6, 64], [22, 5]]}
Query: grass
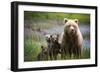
{"points": [[86, 53], [83, 18], [33, 48]]}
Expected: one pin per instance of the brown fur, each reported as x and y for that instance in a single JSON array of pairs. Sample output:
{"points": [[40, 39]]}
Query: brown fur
{"points": [[71, 39], [54, 46], [43, 55]]}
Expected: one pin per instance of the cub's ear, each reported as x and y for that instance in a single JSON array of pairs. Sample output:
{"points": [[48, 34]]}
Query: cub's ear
{"points": [[42, 47], [51, 36], [65, 20], [76, 21]]}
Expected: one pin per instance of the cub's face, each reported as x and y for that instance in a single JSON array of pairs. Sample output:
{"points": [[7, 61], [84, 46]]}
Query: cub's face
{"points": [[54, 38], [70, 26]]}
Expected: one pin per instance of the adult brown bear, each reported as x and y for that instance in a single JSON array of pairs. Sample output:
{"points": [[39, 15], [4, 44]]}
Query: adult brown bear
{"points": [[71, 39]]}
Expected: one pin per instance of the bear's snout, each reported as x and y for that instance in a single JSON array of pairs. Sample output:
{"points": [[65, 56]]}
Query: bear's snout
{"points": [[72, 30]]}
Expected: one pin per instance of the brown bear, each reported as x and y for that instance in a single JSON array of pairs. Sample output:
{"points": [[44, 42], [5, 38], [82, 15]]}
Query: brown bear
{"points": [[43, 55], [71, 39], [53, 46]]}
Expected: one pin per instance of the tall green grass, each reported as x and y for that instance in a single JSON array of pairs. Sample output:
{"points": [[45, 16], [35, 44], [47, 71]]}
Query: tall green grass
{"points": [[33, 48], [85, 53]]}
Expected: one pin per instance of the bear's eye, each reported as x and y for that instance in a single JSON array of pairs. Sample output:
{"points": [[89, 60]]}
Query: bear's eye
{"points": [[69, 25], [75, 26]]}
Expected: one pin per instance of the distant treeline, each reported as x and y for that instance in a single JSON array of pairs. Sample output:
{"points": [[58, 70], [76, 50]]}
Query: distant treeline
{"points": [[31, 15]]}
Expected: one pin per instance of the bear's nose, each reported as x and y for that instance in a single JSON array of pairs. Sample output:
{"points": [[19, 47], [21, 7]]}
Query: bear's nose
{"points": [[72, 28]]}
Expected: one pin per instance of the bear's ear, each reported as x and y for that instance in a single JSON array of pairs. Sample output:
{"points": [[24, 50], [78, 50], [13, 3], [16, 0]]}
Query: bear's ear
{"points": [[50, 36], [76, 21], [42, 47], [65, 20]]}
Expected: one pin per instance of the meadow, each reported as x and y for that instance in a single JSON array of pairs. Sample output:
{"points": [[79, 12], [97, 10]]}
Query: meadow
{"points": [[38, 24]]}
